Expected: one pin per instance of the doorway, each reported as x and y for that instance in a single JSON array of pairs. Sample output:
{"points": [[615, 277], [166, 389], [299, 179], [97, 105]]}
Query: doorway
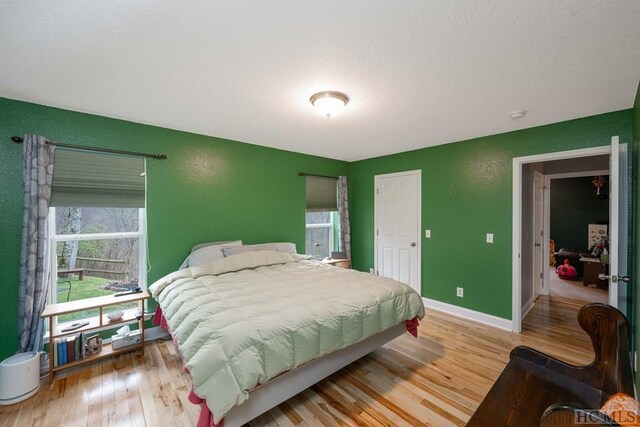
{"points": [[525, 241], [397, 206], [578, 218]]}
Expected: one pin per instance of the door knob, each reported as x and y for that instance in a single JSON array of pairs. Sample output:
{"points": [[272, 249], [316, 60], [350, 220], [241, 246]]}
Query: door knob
{"points": [[614, 278], [538, 245], [413, 244]]}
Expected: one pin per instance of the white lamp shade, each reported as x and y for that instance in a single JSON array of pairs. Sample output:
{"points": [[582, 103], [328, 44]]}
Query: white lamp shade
{"points": [[329, 104]]}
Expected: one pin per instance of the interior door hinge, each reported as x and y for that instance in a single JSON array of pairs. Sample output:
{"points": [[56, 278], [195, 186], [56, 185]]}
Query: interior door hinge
{"points": [[377, 191], [541, 275], [377, 232]]}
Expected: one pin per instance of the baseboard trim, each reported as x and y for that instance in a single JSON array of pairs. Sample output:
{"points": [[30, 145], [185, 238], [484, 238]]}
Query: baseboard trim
{"points": [[465, 313], [527, 307]]}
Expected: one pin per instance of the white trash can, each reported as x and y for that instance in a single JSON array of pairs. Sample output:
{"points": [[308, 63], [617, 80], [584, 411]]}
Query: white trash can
{"points": [[19, 377]]}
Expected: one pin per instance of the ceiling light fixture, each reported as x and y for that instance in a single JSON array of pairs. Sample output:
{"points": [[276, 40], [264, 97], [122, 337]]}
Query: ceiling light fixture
{"points": [[515, 115], [329, 103]]}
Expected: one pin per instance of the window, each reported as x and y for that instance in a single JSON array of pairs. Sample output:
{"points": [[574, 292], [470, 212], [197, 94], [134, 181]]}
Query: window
{"points": [[95, 252], [322, 234], [96, 227], [322, 224]]}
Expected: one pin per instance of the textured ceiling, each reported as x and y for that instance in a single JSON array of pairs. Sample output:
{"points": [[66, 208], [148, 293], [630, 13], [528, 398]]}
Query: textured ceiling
{"points": [[419, 73]]}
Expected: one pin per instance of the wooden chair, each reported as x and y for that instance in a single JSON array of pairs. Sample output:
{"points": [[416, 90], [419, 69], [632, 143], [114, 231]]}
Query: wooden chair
{"points": [[532, 381]]}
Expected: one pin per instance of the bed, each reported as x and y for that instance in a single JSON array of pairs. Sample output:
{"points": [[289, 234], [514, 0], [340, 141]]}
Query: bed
{"points": [[258, 327]]}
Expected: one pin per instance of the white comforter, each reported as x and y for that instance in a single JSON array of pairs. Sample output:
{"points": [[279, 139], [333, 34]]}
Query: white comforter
{"points": [[242, 320]]}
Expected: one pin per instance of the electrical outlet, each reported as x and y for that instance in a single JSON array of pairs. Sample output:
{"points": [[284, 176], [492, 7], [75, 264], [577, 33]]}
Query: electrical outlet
{"points": [[460, 292], [427, 234], [371, 270], [489, 237]]}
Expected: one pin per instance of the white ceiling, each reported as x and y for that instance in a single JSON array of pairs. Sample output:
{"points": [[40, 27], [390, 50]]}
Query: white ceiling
{"points": [[419, 73]]}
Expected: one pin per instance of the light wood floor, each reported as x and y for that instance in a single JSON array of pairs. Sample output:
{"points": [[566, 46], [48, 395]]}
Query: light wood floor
{"points": [[438, 379]]}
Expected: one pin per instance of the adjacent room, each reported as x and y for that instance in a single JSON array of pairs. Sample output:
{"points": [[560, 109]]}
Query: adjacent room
{"points": [[319, 214], [579, 216]]}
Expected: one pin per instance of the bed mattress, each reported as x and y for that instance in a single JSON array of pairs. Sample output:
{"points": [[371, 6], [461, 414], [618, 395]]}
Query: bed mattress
{"points": [[240, 321]]}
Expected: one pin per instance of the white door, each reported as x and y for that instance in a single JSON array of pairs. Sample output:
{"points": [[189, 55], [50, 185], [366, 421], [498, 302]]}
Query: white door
{"points": [[618, 225], [539, 250], [397, 221]]}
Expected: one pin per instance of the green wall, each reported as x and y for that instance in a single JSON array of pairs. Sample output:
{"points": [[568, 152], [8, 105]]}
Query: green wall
{"points": [[574, 205], [635, 270], [207, 189], [215, 189], [466, 193]]}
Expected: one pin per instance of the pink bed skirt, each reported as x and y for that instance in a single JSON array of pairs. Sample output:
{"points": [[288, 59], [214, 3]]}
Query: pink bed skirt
{"points": [[412, 326], [206, 416]]}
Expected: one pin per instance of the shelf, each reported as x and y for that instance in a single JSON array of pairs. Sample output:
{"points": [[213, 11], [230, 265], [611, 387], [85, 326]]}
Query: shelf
{"points": [[53, 311], [128, 316], [89, 303], [107, 350], [95, 323]]}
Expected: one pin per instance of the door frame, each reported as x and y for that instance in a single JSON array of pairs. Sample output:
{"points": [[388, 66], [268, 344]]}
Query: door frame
{"points": [[516, 244], [547, 215], [415, 172], [535, 291]]}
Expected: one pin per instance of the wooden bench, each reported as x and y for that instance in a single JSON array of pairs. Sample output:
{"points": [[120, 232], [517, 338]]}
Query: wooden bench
{"points": [[79, 271], [536, 389]]}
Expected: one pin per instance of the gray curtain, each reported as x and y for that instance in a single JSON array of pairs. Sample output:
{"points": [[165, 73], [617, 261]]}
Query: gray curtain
{"points": [[343, 210], [32, 293]]}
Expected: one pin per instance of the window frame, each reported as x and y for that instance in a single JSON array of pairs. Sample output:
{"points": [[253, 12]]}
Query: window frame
{"points": [[329, 225], [54, 239]]}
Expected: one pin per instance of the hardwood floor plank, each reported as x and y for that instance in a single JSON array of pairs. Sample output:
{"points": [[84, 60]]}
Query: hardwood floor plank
{"points": [[317, 407], [370, 405], [437, 379], [291, 414], [370, 389], [298, 407], [339, 403]]}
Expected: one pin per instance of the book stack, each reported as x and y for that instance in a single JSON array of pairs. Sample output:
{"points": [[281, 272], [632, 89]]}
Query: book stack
{"points": [[69, 349]]}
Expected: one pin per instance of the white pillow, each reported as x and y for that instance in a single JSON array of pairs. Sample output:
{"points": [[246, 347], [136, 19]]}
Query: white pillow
{"points": [[206, 252], [285, 247]]}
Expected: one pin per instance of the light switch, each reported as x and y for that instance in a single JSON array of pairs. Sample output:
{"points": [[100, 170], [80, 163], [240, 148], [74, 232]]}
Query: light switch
{"points": [[489, 237], [427, 234]]}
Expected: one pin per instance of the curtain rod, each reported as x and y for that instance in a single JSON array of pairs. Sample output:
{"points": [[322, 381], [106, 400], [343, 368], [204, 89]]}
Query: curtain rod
{"points": [[319, 176], [19, 140]]}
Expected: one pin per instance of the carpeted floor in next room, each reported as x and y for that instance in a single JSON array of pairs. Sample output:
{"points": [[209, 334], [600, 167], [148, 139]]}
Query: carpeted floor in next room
{"points": [[576, 291]]}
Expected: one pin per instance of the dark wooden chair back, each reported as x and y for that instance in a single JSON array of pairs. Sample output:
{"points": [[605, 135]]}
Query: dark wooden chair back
{"points": [[609, 331], [536, 389]]}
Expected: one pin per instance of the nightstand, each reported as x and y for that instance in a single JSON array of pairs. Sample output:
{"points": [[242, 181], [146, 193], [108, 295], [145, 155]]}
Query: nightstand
{"points": [[592, 268], [344, 263]]}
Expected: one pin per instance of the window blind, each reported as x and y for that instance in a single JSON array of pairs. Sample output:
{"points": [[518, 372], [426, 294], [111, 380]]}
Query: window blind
{"points": [[322, 194], [92, 179]]}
